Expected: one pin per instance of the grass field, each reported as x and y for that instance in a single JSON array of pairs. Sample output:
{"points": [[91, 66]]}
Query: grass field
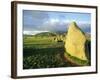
{"points": [[44, 52]]}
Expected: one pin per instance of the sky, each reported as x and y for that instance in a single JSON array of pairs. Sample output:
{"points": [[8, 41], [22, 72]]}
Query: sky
{"points": [[54, 21]]}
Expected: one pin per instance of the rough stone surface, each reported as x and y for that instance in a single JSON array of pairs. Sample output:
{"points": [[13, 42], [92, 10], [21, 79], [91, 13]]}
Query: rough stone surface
{"points": [[75, 42]]}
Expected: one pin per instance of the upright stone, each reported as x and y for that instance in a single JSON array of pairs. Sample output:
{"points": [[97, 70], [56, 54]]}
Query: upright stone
{"points": [[75, 43]]}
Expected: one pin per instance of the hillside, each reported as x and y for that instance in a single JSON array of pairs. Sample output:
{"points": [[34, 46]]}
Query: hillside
{"points": [[44, 34]]}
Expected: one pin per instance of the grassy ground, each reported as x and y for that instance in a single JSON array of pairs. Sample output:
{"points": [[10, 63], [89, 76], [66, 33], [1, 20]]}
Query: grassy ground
{"points": [[43, 52]]}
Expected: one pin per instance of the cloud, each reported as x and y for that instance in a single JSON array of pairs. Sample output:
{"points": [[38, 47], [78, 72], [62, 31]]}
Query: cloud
{"points": [[32, 32], [53, 21]]}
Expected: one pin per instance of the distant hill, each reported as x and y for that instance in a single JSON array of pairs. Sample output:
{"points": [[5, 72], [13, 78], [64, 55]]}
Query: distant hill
{"points": [[88, 36], [46, 34]]}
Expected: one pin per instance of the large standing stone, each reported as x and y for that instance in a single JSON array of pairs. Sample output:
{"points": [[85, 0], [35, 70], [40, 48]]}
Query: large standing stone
{"points": [[75, 43]]}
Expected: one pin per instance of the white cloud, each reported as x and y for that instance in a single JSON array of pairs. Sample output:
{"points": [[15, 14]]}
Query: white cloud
{"points": [[32, 32]]}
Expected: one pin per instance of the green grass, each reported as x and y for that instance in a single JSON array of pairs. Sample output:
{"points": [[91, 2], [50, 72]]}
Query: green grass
{"points": [[44, 52], [76, 60], [41, 42]]}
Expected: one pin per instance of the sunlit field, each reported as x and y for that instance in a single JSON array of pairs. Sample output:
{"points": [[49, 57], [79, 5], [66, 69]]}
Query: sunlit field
{"points": [[43, 52]]}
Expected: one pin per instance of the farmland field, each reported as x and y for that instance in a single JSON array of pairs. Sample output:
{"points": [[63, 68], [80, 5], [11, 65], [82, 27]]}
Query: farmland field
{"points": [[46, 51], [43, 52]]}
